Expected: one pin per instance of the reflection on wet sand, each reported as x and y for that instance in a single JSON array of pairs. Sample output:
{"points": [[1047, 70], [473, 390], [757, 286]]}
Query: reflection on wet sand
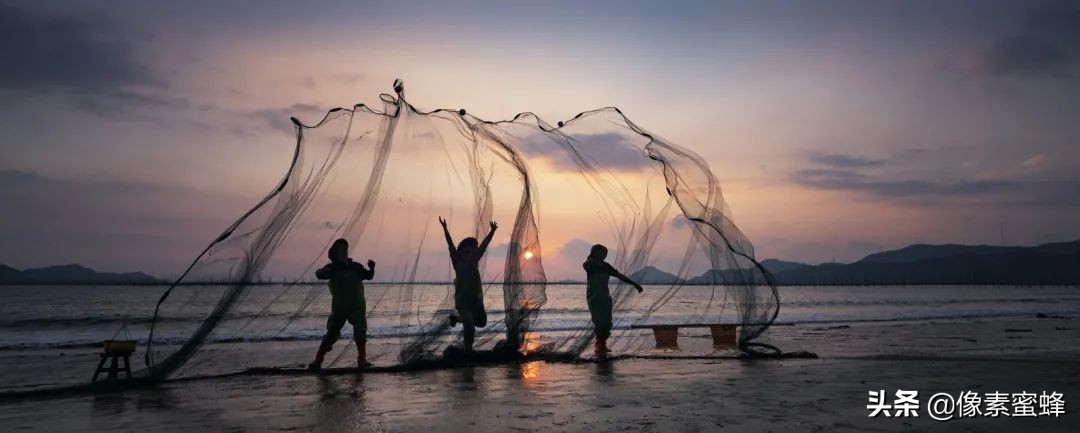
{"points": [[605, 371], [530, 371], [532, 342], [341, 405]]}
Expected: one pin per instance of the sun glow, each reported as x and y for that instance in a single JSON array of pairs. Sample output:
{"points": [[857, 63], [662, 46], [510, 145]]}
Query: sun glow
{"points": [[528, 255]]}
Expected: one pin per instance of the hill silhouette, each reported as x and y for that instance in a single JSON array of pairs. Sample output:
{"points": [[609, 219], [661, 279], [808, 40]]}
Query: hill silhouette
{"points": [[1056, 263], [651, 275], [71, 274], [1053, 263]]}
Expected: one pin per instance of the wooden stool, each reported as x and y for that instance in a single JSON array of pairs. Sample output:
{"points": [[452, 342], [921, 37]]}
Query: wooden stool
{"points": [[667, 337], [723, 334], [114, 368], [114, 351]]}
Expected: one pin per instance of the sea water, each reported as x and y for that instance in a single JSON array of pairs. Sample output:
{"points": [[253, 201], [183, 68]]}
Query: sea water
{"points": [[50, 317]]}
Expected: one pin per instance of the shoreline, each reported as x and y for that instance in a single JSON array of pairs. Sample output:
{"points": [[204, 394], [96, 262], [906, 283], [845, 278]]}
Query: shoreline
{"points": [[618, 327], [986, 337], [693, 389]]}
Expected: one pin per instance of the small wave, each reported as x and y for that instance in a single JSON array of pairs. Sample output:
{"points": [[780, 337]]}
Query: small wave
{"points": [[563, 325], [83, 321], [926, 302]]}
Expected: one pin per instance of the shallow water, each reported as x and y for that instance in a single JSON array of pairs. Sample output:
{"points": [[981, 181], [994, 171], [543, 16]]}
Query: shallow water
{"points": [[51, 334], [42, 317]]}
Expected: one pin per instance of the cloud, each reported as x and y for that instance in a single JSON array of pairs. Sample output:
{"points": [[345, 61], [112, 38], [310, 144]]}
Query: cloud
{"points": [[842, 172], [850, 180], [90, 61], [46, 52], [111, 225], [1024, 55], [1032, 187], [122, 103], [10, 178], [841, 160], [349, 79], [1045, 45], [1034, 161], [498, 250], [346, 78], [575, 248], [278, 119], [1059, 20], [608, 150]]}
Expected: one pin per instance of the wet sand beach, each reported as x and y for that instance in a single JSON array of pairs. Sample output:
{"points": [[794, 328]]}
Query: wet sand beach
{"points": [[634, 394]]}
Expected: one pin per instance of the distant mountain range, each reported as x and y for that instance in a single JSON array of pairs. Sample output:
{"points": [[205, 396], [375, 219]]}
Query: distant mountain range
{"points": [[71, 274], [1054, 263]]}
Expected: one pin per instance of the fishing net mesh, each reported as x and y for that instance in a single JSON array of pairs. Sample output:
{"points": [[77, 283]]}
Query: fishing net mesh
{"points": [[380, 177]]}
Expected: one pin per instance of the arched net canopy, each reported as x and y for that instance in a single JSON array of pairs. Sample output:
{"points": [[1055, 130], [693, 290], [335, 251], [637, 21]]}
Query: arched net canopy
{"points": [[381, 176]]}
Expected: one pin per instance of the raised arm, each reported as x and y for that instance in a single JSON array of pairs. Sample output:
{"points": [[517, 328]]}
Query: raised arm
{"points": [[325, 272], [446, 233], [615, 273], [369, 273], [487, 239]]}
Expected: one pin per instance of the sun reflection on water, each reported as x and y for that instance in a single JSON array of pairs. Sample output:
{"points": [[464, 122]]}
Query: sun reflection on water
{"points": [[530, 371], [532, 342]]}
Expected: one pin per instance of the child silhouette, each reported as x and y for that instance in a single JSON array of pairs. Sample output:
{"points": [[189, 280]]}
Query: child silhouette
{"points": [[346, 281], [468, 289], [598, 296]]}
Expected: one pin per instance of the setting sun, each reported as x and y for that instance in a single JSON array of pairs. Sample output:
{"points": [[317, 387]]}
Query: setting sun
{"points": [[528, 255]]}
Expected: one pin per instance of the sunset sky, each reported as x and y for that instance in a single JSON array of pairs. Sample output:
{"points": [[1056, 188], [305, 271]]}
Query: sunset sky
{"points": [[133, 132]]}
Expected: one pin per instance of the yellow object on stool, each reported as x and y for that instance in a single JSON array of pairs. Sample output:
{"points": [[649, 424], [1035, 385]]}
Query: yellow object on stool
{"points": [[114, 351]]}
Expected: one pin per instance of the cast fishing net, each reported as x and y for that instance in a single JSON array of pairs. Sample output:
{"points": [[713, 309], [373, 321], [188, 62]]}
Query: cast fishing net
{"points": [[380, 177]]}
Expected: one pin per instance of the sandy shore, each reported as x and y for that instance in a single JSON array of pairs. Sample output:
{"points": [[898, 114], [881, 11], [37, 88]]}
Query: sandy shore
{"points": [[684, 395]]}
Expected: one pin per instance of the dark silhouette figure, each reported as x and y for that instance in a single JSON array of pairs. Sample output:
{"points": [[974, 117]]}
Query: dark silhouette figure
{"points": [[598, 296], [348, 304], [468, 290]]}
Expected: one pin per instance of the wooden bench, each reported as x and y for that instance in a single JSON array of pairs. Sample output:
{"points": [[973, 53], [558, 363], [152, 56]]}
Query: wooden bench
{"points": [[723, 334]]}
